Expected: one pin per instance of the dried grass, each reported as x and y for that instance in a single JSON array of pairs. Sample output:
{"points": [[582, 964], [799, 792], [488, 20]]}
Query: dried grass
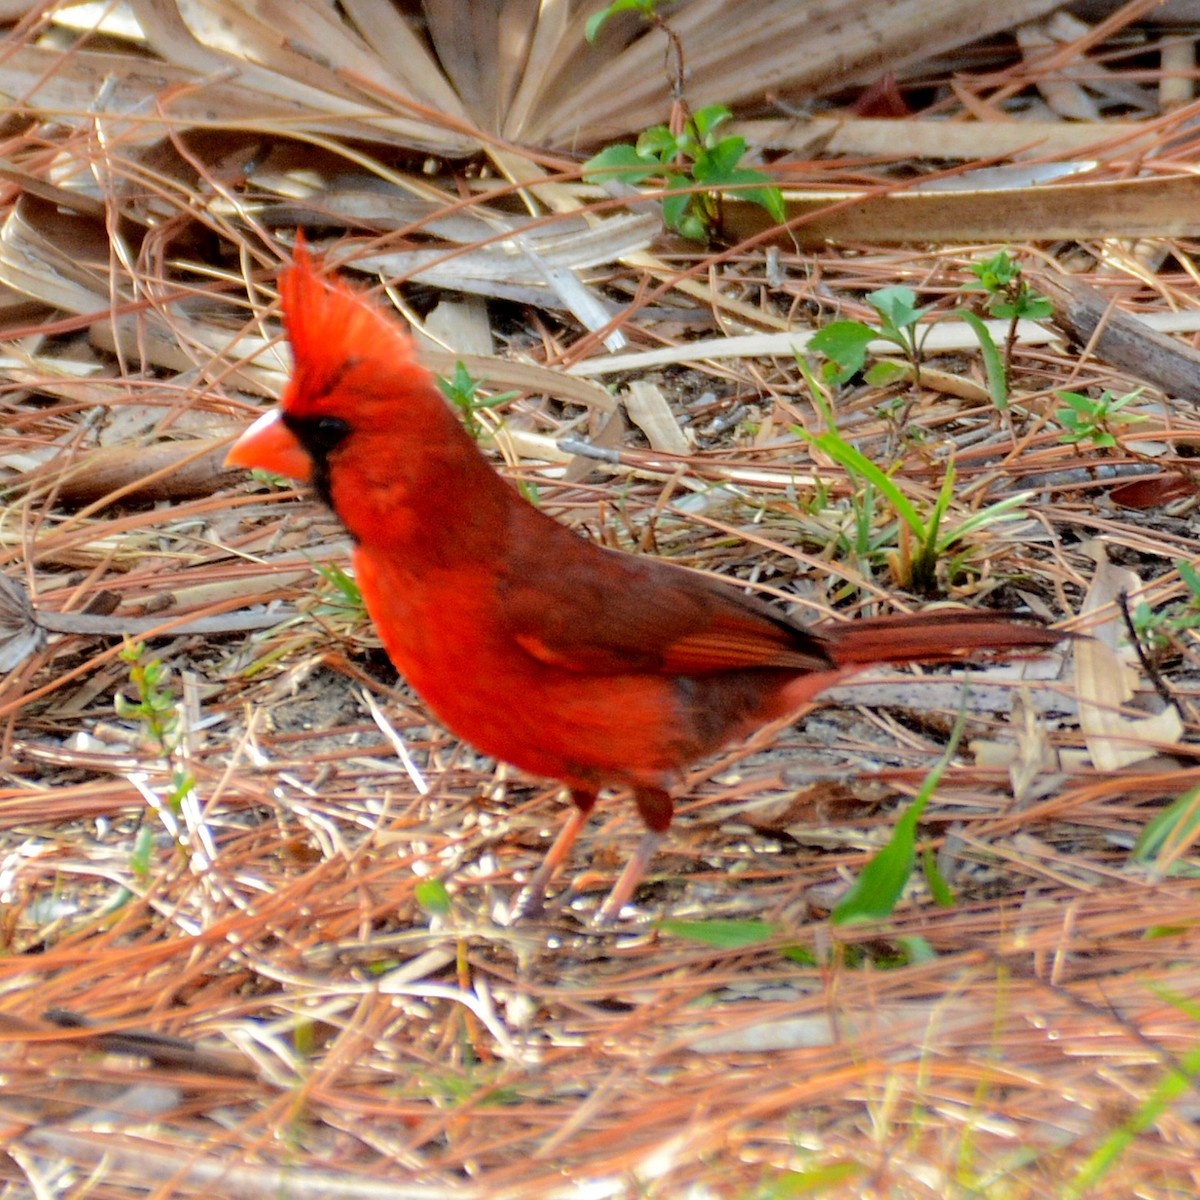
{"points": [[246, 996]]}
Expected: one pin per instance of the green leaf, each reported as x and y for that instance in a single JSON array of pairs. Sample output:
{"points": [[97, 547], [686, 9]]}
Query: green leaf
{"points": [[686, 145], [798, 954], [707, 119], [897, 305], [497, 399], [770, 198], [725, 935], [432, 896], [143, 852], [996, 273], [658, 143], [886, 372], [917, 949], [1177, 826], [676, 207], [694, 227], [879, 887], [993, 361], [719, 163], [945, 495], [819, 1181], [1190, 577], [858, 463], [596, 20], [815, 392], [734, 178], [1114, 406], [341, 582], [845, 342], [621, 161], [1031, 307], [984, 517], [1084, 405], [939, 889]]}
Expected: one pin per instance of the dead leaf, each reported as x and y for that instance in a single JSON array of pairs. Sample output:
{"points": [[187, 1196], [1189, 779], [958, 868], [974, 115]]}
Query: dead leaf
{"points": [[1105, 678]]}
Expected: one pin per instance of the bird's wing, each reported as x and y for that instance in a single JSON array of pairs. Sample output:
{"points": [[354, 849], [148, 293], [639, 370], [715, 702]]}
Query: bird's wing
{"points": [[604, 612]]}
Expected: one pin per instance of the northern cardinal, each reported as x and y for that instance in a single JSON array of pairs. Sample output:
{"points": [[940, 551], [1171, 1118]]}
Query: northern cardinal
{"points": [[580, 664]]}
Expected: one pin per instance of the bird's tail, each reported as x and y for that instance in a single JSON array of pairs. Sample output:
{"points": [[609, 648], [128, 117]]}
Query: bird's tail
{"points": [[934, 636]]}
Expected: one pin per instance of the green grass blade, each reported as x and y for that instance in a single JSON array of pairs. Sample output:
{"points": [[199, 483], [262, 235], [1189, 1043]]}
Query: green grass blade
{"points": [[858, 463], [993, 361], [878, 889]]}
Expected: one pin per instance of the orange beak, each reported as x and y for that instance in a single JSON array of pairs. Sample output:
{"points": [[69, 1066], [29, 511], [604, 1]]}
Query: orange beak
{"points": [[268, 445]]}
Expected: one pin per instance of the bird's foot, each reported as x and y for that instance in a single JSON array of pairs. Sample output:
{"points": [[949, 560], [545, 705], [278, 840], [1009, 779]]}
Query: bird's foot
{"points": [[631, 876]]}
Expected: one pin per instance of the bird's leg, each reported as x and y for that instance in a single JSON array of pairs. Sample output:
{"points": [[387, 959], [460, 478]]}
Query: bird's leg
{"points": [[532, 899], [656, 808]]}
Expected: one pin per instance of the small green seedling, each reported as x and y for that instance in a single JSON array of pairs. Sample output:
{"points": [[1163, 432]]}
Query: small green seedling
{"points": [[1008, 297], [845, 343], [156, 709], [157, 713], [914, 566], [1158, 629], [344, 600], [1085, 419], [687, 158], [694, 166], [462, 390]]}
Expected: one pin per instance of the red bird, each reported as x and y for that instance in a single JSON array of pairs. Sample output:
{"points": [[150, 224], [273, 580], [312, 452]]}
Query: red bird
{"points": [[573, 662]]}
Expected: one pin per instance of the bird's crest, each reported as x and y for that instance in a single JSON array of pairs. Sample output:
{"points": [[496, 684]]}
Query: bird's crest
{"points": [[335, 331]]}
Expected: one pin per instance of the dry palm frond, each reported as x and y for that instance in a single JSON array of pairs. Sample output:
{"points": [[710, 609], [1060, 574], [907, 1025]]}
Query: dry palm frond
{"points": [[518, 71]]}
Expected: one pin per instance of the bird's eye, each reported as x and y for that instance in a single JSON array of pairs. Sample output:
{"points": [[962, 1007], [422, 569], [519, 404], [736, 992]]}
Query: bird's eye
{"points": [[318, 435], [327, 432]]}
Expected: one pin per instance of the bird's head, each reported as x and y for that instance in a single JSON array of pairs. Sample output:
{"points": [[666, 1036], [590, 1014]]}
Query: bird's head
{"points": [[355, 376]]}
